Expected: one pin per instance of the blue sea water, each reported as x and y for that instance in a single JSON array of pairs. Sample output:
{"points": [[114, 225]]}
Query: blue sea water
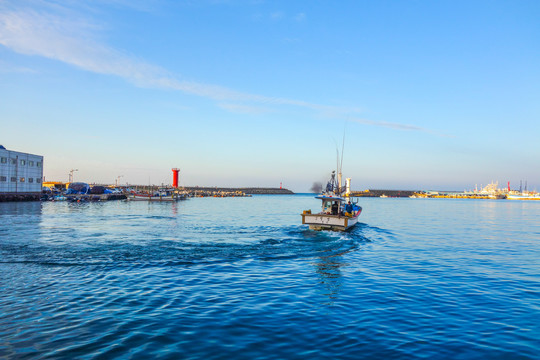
{"points": [[241, 278]]}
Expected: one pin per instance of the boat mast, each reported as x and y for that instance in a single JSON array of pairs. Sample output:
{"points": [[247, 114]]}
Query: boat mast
{"points": [[340, 164], [339, 183], [338, 179]]}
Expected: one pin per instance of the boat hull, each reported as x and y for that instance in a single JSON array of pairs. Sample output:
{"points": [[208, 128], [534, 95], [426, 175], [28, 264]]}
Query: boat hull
{"points": [[167, 198], [329, 222], [523, 197]]}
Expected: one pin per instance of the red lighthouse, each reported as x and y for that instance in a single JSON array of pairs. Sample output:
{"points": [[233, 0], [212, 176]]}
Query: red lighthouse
{"points": [[175, 177]]}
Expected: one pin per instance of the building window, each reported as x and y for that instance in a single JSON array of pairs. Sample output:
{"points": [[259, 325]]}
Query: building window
{"points": [[13, 161], [22, 179], [38, 180], [13, 179], [3, 160], [23, 162], [30, 180], [31, 163], [3, 178], [38, 164]]}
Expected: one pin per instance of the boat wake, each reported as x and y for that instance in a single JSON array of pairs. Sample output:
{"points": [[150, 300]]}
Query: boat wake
{"points": [[249, 243]]}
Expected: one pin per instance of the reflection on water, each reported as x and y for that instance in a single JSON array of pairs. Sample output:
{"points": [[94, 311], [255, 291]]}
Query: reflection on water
{"points": [[25, 209], [329, 270], [333, 257]]}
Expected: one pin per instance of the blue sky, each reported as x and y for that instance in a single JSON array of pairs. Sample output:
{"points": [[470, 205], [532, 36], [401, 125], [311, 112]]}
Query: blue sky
{"points": [[430, 94]]}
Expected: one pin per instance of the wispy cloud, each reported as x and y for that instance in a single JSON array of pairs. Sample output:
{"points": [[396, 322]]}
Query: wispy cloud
{"points": [[291, 40], [300, 17], [397, 126], [9, 68], [243, 109], [278, 15], [58, 33], [72, 42], [391, 125]]}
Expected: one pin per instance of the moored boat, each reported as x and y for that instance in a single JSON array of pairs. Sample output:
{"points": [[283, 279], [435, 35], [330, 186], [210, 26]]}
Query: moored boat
{"points": [[163, 194], [523, 196]]}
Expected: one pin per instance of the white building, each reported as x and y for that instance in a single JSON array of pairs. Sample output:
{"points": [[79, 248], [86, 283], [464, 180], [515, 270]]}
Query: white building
{"points": [[20, 173]]}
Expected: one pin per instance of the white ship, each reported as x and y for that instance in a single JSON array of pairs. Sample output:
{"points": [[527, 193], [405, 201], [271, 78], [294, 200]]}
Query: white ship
{"points": [[512, 195]]}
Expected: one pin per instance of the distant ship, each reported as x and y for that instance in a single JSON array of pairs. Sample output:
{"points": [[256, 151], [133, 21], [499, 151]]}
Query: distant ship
{"points": [[491, 191], [522, 196]]}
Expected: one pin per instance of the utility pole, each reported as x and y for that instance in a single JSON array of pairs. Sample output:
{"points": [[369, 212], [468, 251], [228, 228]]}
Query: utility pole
{"points": [[71, 174]]}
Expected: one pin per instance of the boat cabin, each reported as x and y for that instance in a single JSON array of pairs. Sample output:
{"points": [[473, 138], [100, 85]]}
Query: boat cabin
{"points": [[331, 205]]}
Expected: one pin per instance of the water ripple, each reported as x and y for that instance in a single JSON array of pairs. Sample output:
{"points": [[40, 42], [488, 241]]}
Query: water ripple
{"points": [[414, 279]]}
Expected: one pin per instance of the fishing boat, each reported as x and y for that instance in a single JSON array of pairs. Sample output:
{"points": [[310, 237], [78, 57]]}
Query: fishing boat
{"points": [[162, 194], [334, 214]]}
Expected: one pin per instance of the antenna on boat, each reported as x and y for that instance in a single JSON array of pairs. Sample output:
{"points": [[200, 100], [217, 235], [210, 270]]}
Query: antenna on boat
{"points": [[341, 162], [338, 180]]}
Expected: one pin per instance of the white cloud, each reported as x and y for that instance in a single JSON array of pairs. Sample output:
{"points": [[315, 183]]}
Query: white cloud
{"points": [[300, 17], [243, 109], [58, 33], [390, 125], [397, 126], [278, 15], [32, 33], [44, 34]]}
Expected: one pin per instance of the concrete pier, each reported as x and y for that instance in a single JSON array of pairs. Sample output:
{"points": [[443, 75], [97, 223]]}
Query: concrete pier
{"points": [[20, 197]]}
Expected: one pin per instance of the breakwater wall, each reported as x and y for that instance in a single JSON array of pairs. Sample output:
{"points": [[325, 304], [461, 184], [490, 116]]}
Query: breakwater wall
{"points": [[247, 190], [381, 192]]}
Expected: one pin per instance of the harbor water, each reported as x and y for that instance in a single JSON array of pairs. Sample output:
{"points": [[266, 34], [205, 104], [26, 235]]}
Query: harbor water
{"points": [[241, 278]]}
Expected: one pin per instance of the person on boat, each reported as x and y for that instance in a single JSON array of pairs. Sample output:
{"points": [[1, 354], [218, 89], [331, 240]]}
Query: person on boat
{"points": [[327, 207], [335, 208], [349, 209]]}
